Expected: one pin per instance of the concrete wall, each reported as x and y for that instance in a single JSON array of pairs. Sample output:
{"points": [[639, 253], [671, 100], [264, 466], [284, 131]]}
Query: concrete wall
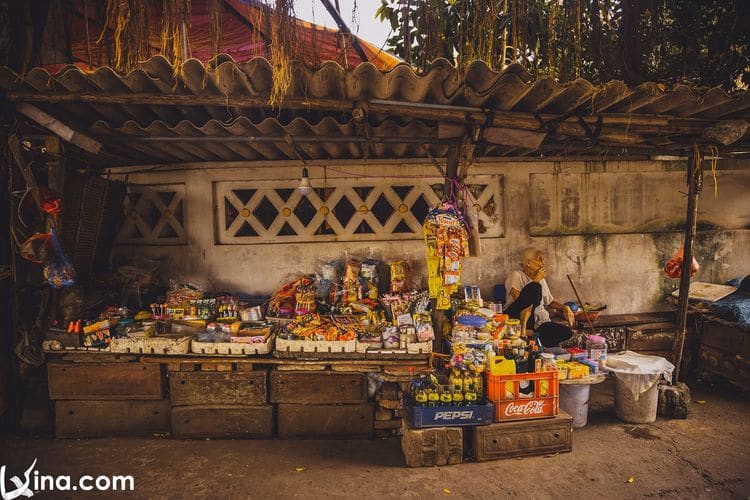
{"points": [[611, 226]]}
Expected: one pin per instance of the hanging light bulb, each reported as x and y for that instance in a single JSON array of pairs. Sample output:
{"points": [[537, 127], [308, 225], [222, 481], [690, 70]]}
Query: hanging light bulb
{"points": [[304, 184]]}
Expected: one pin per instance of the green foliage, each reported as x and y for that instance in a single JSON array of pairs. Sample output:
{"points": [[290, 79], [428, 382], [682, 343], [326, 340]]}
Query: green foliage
{"points": [[698, 42]]}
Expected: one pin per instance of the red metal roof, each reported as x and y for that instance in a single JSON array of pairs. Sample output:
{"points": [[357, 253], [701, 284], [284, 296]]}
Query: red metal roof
{"points": [[245, 34]]}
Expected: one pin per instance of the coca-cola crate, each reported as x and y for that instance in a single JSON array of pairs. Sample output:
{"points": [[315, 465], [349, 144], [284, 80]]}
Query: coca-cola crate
{"points": [[504, 392], [420, 417]]}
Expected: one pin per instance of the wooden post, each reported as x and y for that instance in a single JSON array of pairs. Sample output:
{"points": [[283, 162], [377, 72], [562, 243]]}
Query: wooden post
{"points": [[451, 166], [695, 184]]}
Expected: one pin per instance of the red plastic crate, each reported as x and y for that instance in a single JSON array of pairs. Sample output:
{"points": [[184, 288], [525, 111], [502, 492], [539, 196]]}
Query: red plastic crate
{"points": [[523, 408]]}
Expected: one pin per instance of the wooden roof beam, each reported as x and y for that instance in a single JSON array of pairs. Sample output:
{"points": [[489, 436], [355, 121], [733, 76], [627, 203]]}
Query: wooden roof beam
{"points": [[60, 129]]}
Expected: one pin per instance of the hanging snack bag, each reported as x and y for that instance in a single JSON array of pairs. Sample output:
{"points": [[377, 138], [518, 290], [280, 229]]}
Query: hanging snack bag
{"points": [[369, 278], [400, 274]]}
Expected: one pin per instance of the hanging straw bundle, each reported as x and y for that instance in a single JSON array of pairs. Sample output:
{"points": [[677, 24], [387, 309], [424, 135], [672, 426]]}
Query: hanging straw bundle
{"points": [[283, 49], [215, 9], [175, 21], [131, 20]]}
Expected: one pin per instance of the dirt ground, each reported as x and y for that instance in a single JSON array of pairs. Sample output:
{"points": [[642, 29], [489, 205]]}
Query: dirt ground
{"points": [[705, 456]]}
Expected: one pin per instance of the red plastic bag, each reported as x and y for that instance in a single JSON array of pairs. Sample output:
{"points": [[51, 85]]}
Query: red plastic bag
{"points": [[673, 267]]}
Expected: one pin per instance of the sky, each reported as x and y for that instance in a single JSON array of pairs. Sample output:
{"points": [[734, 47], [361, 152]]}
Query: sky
{"points": [[370, 28]]}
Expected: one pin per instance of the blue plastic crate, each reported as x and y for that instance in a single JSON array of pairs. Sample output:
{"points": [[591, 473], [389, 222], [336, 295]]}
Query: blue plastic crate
{"points": [[448, 416]]}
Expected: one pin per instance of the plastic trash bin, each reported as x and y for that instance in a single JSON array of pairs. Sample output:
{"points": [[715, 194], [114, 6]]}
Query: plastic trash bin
{"points": [[636, 392], [635, 411], [574, 400]]}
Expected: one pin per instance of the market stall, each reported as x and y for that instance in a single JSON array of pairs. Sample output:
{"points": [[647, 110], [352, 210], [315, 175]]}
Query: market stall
{"points": [[357, 338]]}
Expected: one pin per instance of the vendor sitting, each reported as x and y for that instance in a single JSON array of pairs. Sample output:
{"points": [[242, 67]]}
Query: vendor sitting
{"points": [[528, 292]]}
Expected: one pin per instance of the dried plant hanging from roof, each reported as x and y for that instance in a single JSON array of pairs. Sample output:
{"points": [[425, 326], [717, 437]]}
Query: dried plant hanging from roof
{"points": [[131, 21], [215, 10], [283, 49], [175, 21]]}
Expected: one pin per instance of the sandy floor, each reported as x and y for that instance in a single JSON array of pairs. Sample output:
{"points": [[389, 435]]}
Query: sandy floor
{"points": [[705, 456]]}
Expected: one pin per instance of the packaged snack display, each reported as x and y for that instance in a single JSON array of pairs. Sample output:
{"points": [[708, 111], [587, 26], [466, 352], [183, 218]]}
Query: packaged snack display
{"points": [[447, 240]]}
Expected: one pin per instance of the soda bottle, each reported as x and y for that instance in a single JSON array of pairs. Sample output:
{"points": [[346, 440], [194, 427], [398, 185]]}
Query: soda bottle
{"points": [[420, 397], [446, 395]]}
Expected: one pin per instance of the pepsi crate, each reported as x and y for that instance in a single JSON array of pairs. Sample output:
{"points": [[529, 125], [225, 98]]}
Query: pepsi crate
{"points": [[420, 417]]}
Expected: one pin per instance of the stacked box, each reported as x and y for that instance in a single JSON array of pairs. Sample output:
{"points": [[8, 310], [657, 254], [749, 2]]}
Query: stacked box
{"points": [[321, 404], [522, 438], [211, 403], [107, 399]]}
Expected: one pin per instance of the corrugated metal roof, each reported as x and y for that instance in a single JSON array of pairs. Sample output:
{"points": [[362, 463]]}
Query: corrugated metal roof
{"points": [[189, 112]]}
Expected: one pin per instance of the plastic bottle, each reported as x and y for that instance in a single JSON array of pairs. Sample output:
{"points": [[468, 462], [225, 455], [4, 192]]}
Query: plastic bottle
{"points": [[596, 345]]}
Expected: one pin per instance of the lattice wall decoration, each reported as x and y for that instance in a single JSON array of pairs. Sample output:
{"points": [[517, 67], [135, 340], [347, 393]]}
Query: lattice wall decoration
{"points": [[249, 212], [154, 215]]}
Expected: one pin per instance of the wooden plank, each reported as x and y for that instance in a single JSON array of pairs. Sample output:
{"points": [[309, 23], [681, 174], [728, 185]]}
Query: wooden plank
{"points": [[514, 137], [196, 358], [612, 320], [101, 357], [218, 388], [301, 368], [345, 421], [219, 421], [104, 381], [80, 419], [522, 438], [707, 292], [318, 387]]}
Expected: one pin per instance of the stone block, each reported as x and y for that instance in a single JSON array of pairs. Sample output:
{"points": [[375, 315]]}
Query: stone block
{"points": [[674, 400], [383, 414], [389, 390], [388, 424], [391, 404], [434, 446]]}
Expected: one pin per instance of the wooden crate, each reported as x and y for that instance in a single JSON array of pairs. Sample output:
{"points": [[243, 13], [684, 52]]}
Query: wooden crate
{"points": [[522, 438], [222, 421], [318, 387], [651, 337], [342, 421], [104, 381], [82, 419], [724, 353], [218, 388]]}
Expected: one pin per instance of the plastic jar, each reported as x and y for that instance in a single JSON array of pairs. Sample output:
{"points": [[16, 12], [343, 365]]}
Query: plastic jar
{"points": [[548, 361], [596, 345], [512, 328]]}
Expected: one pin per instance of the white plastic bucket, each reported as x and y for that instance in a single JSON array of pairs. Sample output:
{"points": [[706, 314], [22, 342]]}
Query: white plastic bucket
{"points": [[574, 400], [627, 409]]}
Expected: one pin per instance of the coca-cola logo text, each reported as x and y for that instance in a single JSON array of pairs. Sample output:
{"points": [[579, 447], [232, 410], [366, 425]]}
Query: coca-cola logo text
{"points": [[523, 409]]}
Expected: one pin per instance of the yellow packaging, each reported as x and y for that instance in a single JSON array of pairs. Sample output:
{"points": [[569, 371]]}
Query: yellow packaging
{"points": [[100, 325], [433, 266]]}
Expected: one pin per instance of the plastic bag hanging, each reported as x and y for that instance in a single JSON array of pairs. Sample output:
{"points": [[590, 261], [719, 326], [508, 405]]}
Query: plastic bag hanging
{"points": [[38, 248], [673, 267], [59, 272]]}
